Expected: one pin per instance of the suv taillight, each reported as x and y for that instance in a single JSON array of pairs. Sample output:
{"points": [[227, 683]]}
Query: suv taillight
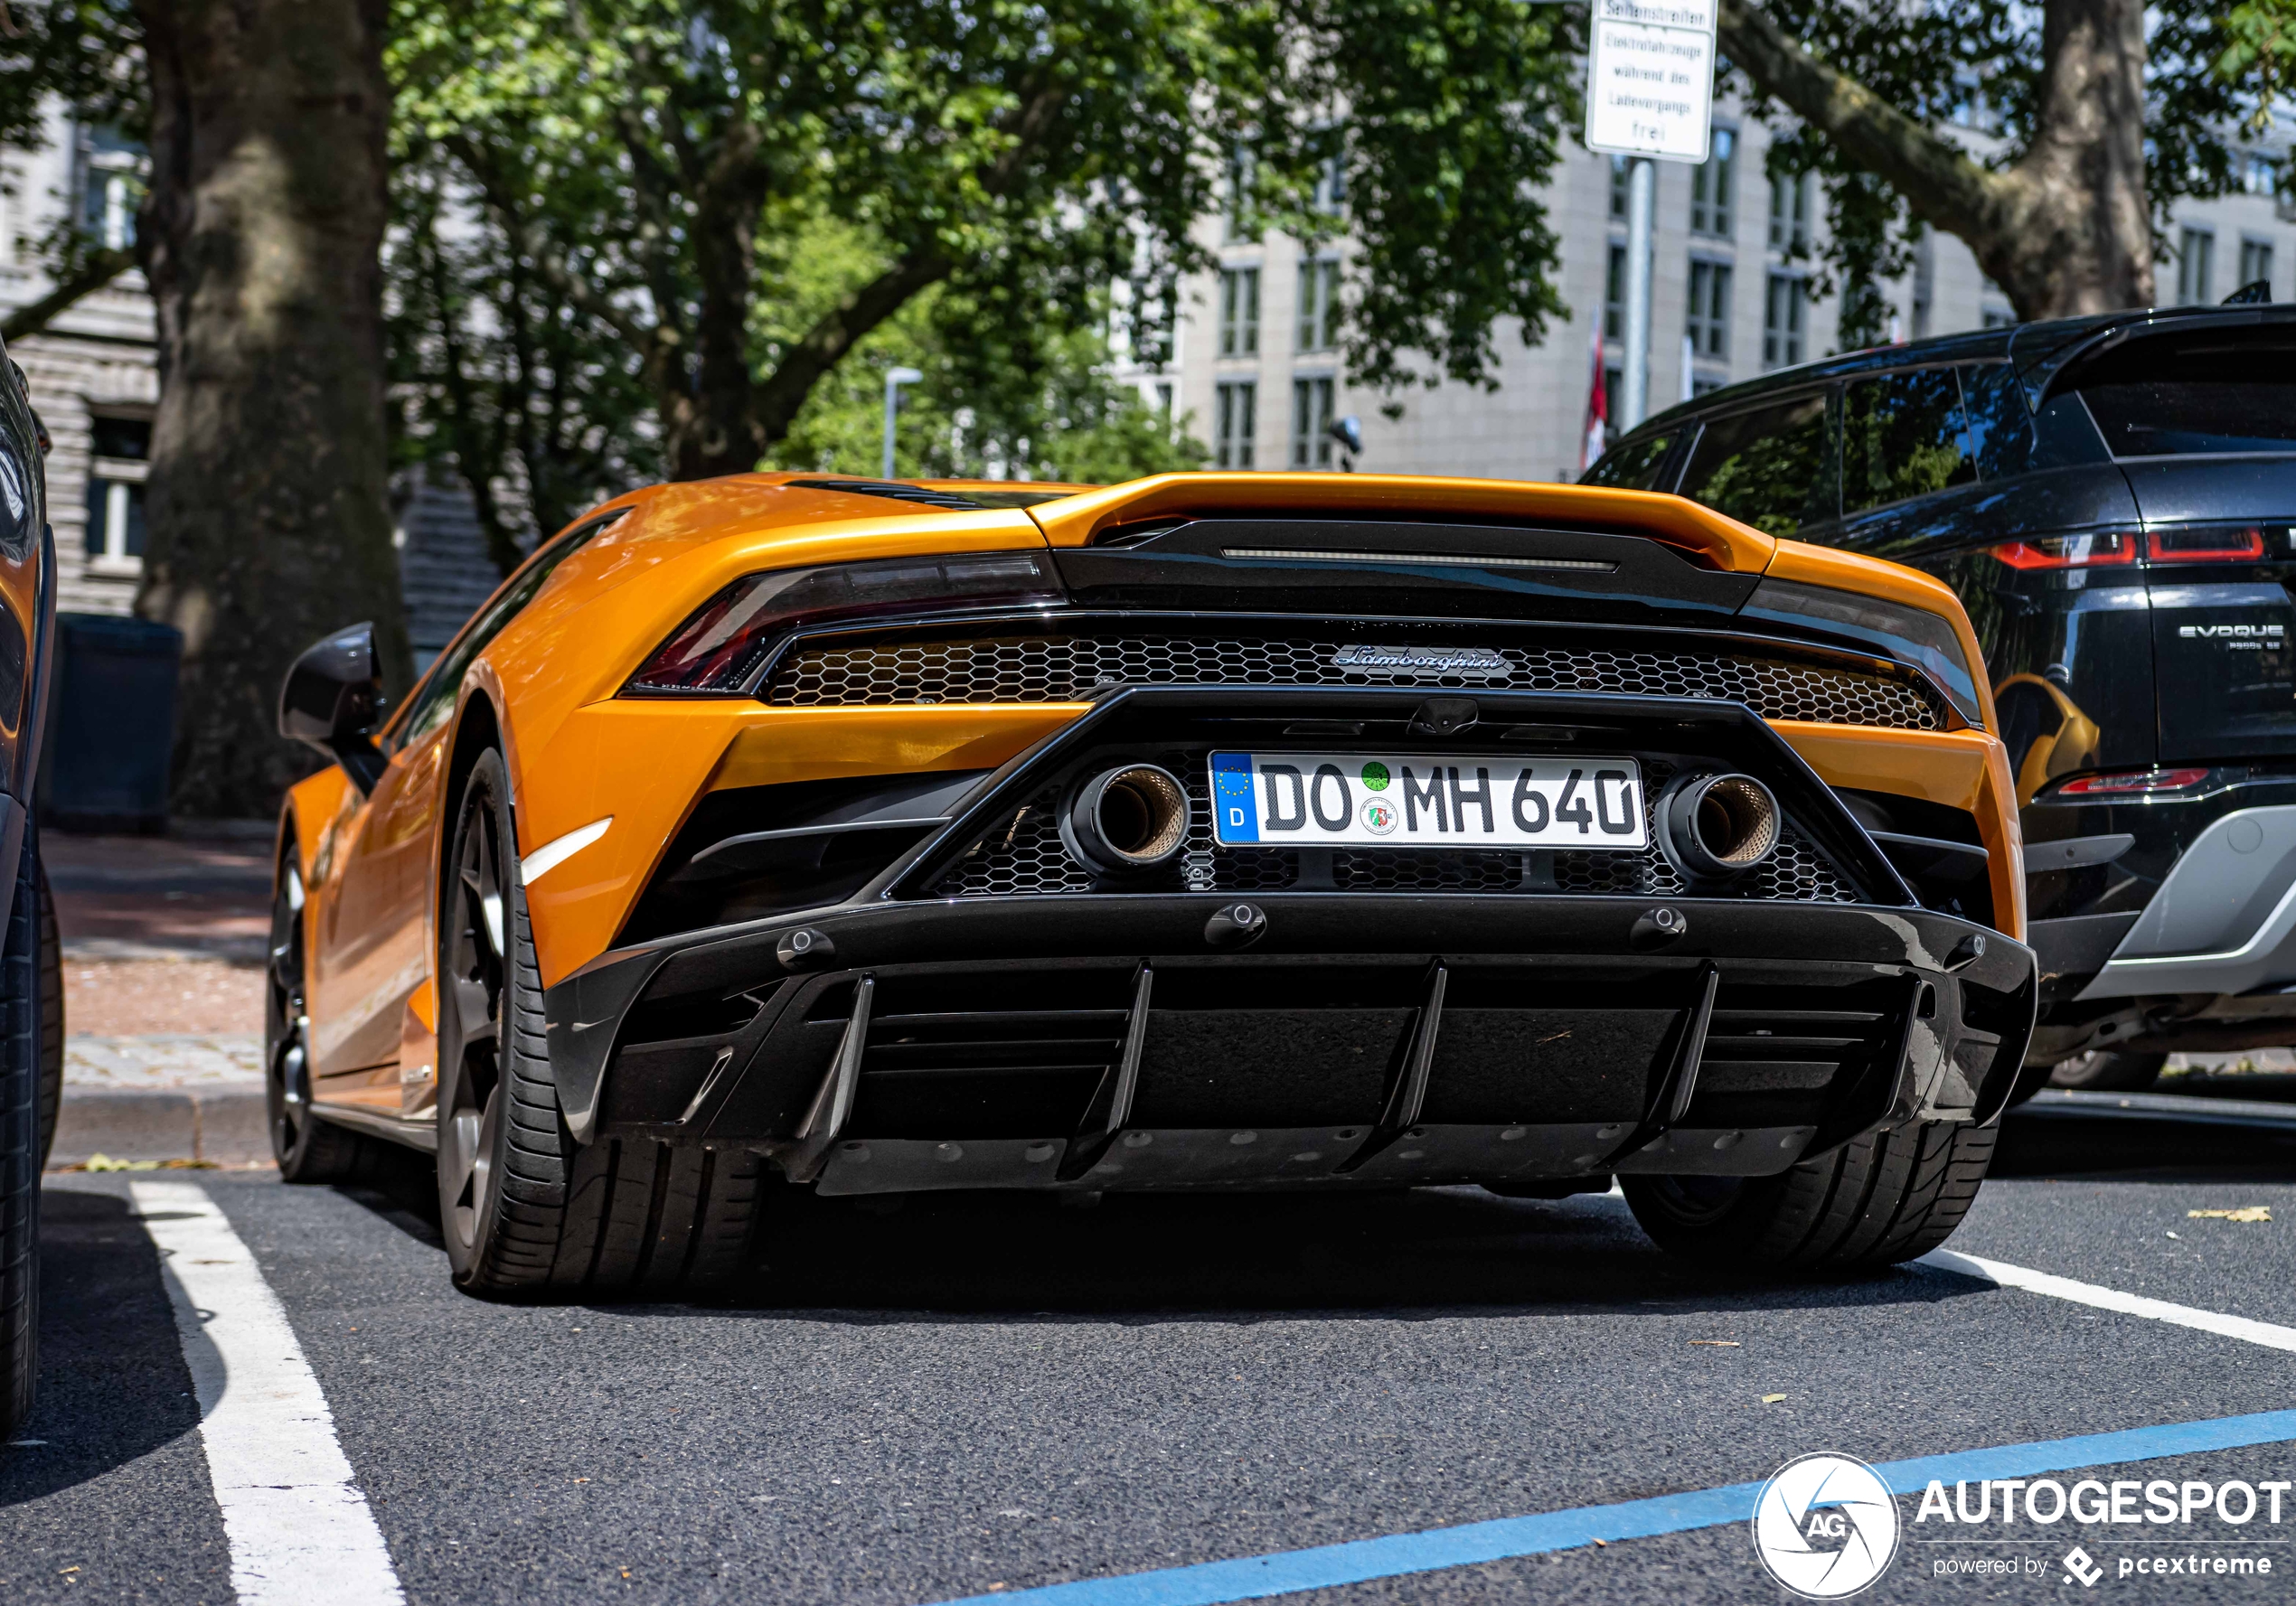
{"points": [[2140, 783], [2068, 551], [2208, 543]]}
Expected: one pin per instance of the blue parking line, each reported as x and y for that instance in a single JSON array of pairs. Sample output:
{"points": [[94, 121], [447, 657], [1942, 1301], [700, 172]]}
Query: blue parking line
{"points": [[1252, 1578]]}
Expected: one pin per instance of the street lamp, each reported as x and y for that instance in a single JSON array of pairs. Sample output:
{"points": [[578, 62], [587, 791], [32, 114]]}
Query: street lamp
{"points": [[895, 377]]}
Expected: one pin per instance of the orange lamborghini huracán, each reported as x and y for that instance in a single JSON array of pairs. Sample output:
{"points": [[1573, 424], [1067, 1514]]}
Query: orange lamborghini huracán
{"points": [[1212, 830]]}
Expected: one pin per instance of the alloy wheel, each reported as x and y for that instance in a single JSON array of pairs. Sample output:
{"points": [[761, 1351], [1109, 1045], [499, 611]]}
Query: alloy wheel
{"points": [[470, 1094], [287, 1071]]}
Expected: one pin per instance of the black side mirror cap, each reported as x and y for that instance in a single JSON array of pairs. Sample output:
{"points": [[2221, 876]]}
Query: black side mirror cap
{"points": [[332, 699]]}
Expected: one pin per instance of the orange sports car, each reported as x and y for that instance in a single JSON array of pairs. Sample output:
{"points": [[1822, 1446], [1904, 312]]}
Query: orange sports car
{"points": [[1208, 832]]}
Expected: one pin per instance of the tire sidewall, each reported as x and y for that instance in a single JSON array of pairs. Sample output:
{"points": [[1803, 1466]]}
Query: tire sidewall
{"points": [[486, 786]]}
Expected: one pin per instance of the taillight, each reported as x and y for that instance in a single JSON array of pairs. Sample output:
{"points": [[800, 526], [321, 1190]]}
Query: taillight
{"points": [[2214, 543], [2068, 551], [726, 641], [2133, 783]]}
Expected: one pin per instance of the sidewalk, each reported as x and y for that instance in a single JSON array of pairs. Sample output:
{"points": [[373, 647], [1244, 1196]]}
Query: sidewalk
{"points": [[165, 939]]}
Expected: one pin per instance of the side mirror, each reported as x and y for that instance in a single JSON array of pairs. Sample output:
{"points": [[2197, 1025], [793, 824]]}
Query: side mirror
{"points": [[333, 698]]}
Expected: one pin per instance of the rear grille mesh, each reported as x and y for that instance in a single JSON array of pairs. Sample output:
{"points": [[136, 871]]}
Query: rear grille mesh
{"points": [[1067, 669], [1025, 855]]}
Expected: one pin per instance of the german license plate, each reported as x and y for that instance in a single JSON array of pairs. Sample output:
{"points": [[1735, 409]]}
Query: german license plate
{"points": [[1319, 800]]}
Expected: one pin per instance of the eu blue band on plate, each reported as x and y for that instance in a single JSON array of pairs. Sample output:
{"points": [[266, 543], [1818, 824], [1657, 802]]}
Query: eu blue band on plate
{"points": [[1235, 810]]}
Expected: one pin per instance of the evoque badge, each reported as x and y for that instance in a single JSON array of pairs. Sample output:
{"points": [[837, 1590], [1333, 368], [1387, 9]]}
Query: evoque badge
{"points": [[1478, 663]]}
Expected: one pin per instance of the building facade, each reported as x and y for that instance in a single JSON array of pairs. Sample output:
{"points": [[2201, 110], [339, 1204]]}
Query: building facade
{"points": [[1734, 294]]}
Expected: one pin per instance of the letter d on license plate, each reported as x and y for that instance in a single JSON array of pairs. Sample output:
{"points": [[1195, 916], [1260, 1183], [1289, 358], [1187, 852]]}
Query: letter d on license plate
{"points": [[1318, 800]]}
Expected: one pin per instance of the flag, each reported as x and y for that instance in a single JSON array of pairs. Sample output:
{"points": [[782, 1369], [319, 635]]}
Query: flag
{"points": [[1598, 409]]}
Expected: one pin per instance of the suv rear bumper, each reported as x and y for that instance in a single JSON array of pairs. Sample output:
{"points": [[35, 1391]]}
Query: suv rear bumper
{"points": [[2223, 922]]}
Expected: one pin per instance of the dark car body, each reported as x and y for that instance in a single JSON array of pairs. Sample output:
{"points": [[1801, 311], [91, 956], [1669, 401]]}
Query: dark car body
{"points": [[31, 981], [2114, 499]]}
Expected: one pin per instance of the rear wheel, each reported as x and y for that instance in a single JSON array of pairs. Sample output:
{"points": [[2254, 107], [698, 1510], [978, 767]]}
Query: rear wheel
{"points": [[2107, 1070], [308, 1149], [52, 1016], [1890, 1197], [522, 1207], [23, 1034]]}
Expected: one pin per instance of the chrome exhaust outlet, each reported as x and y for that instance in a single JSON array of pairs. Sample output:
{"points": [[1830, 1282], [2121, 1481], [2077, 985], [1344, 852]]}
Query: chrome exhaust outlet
{"points": [[1720, 826], [1131, 818]]}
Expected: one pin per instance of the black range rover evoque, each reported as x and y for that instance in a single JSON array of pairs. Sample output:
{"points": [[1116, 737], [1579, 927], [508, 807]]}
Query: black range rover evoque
{"points": [[2114, 499]]}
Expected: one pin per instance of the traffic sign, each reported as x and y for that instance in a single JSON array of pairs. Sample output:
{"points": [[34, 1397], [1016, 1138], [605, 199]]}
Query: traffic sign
{"points": [[1650, 79]]}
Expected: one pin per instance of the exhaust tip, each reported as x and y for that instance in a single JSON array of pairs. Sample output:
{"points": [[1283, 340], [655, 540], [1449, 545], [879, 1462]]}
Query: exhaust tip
{"points": [[1722, 825], [1131, 818]]}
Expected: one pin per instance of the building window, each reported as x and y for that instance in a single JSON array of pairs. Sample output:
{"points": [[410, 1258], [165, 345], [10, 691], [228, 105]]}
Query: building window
{"points": [[1311, 423], [1236, 417], [1709, 325], [2255, 262], [2196, 265], [1924, 282], [1621, 167], [1713, 185], [1615, 296], [1789, 213], [118, 451], [1163, 400], [111, 186], [1239, 190], [1239, 312], [2260, 175], [1331, 185], [1784, 308], [1319, 288]]}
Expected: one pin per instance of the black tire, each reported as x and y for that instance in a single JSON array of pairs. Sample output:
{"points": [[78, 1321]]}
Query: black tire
{"points": [[52, 1016], [2108, 1070], [308, 1149], [20, 1056], [524, 1208], [1893, 1195]]}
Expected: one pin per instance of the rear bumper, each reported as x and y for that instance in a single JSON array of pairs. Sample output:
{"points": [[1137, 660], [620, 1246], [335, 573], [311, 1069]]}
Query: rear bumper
{"points": [[1093, 1041], [2224, 921]]}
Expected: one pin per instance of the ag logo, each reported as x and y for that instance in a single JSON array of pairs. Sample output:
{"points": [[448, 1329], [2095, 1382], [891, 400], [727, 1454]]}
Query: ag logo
{"points": [[1826, 1526]]}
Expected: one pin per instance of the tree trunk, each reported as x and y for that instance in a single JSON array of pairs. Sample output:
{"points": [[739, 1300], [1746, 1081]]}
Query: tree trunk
{"points": [[2068, 231], [269, 522]]}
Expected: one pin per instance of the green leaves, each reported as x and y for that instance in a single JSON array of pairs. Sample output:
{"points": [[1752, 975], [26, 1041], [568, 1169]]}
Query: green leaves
{"points": [[662, 168]]}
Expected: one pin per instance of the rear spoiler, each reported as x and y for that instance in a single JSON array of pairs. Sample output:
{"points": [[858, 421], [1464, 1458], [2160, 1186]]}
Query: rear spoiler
{"points": [[2048, 362], [1704, 535]]}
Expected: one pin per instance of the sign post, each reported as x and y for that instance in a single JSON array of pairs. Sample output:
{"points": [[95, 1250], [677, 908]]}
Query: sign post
{"points": [[1650, 96]]}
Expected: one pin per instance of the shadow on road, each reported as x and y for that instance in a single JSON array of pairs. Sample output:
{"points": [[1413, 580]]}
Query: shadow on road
{"points": [[1431, 1251], [113, 1385], [2120, 1149]]}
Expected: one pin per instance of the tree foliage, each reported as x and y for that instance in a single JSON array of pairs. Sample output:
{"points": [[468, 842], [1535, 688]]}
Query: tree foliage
{"points": [[2003, 122], [650, 165]]}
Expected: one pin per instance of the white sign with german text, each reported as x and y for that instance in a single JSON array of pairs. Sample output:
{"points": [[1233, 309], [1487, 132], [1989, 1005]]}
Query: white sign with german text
{"points": [[1650, 79]]}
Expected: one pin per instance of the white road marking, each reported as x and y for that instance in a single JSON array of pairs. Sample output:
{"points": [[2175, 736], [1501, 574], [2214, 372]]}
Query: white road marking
{"points": [[299, 1529], [2269, 1334]]}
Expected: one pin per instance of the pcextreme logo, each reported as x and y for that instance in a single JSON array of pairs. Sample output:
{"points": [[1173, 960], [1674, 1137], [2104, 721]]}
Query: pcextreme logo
{"points": [[1826, 1526]]}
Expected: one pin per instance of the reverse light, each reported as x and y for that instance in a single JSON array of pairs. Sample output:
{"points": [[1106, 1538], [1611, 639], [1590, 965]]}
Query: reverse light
{"points": [[2140, 783], [722, 646], [2068, 551], [1911, 635], [2207, 544]]}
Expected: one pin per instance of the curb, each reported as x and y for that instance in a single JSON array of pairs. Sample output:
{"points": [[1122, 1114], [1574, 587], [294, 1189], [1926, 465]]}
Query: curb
{"points": [[225, 1127]]}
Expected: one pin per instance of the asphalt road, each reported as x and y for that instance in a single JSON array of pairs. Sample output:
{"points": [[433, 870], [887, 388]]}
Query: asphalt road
{"points": [[981, 1395]]}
